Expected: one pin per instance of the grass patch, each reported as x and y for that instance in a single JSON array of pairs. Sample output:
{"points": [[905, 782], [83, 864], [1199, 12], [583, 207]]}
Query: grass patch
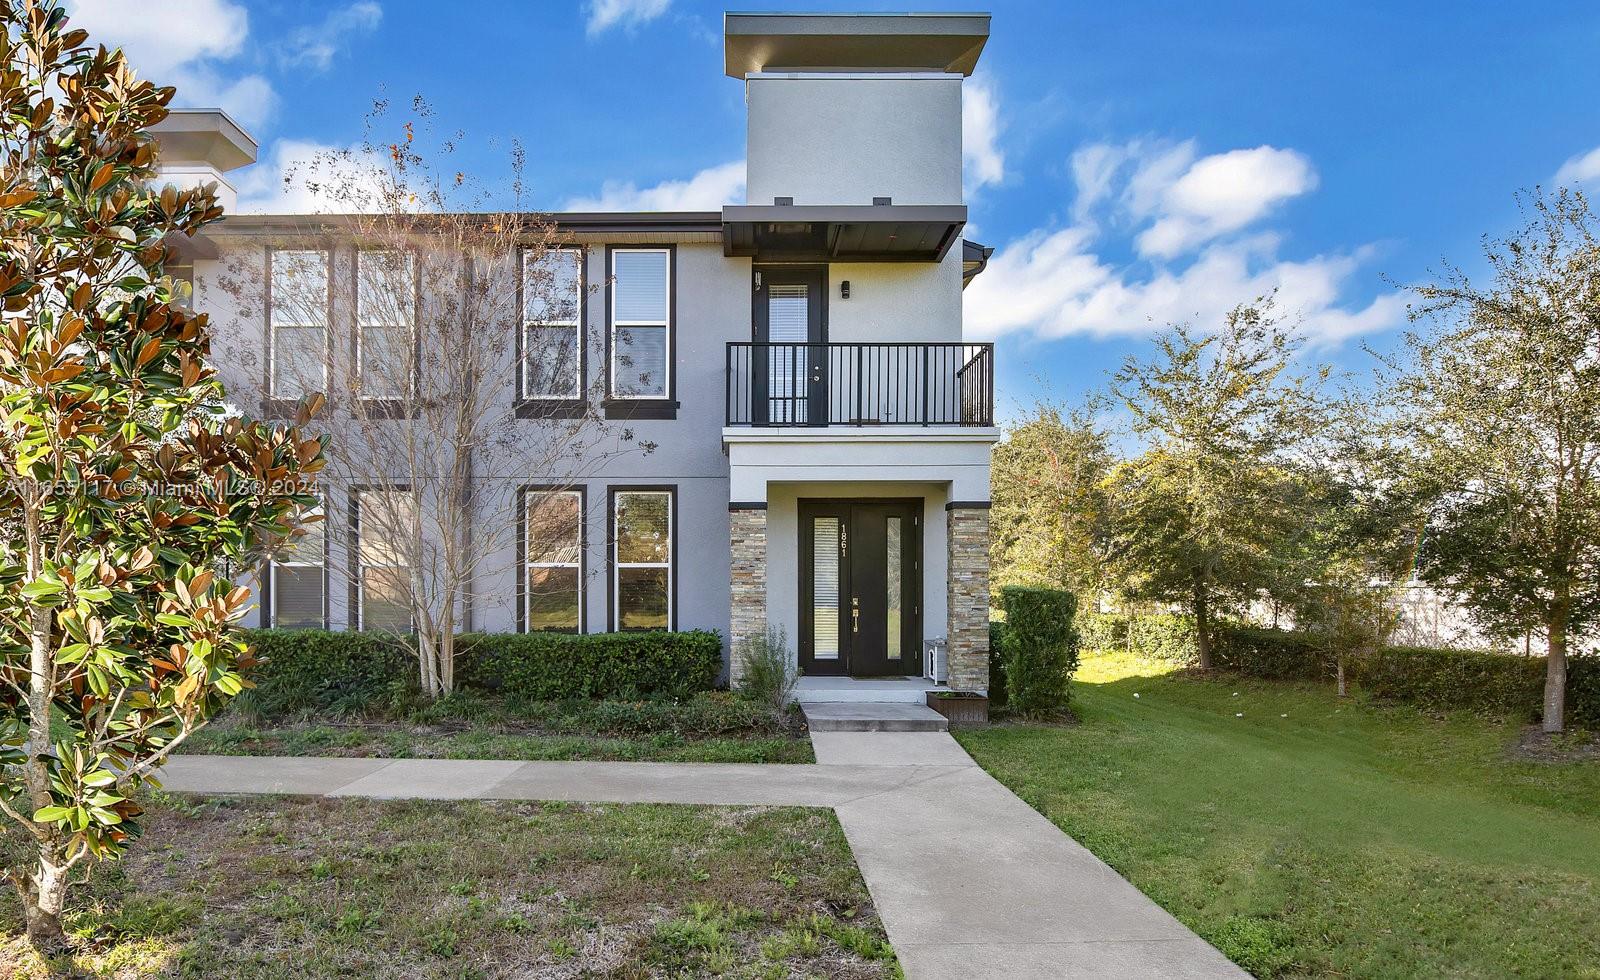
{"points": [[270, 888], [1305, 835]]}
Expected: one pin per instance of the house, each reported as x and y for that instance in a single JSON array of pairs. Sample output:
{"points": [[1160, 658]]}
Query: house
{"points": [[820, 428]]}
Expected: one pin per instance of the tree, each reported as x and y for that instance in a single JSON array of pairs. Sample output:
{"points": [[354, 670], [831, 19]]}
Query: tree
{"points": [[1050, 507], [1500, 405], [128, 491], [1206, 515], [446, 291]]}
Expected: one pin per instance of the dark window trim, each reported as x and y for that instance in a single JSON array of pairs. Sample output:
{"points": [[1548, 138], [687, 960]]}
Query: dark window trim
{"points": [[271, 405], [671, 490], [387, 408], [522, 552], [353, 506], [530, 407], [269, 613], [644, 408]]}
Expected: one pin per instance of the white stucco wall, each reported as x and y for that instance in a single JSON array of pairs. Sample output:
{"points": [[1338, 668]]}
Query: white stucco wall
{"points": [[896, 301], [846, 138]]}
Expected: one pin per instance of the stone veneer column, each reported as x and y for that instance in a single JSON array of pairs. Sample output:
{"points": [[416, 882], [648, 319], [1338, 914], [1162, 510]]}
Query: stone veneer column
{"points": [[747, 537], [967, 535]]}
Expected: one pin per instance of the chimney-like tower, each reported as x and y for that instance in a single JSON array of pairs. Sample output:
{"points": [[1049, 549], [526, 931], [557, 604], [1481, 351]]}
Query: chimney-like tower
{"points": [[202, 145]]}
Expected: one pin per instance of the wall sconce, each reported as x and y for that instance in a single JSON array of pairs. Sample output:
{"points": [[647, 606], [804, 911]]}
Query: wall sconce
{"points": [[844, 289]]}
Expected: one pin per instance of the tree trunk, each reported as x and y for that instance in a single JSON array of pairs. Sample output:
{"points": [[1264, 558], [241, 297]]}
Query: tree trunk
{"points": [[1202, 623], [44, 897], [1555, 677], [1344, 690]]}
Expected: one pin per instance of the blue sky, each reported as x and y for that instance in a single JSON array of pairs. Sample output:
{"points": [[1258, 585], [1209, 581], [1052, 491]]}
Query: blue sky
{"points": [[1133, 162]]}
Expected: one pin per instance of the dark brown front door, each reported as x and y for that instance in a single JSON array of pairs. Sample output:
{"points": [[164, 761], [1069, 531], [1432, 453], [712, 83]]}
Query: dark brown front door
{"points": [[860, 587]]}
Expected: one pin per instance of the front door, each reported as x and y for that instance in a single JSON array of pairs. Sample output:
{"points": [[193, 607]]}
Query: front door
{"points": [[860, 587], [788, 316]]}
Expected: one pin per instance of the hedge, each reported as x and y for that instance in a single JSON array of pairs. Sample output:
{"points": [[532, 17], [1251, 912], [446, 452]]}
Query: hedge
{"points": [[353, 672], [1280, 655], [997, 664], [1159, 636], [1041, 649]]}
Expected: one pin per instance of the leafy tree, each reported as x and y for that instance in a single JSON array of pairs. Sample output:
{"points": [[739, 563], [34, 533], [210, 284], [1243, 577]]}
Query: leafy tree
{"points": [[1050, 507], [1500, 405], [1206, 517], [127, 492]]}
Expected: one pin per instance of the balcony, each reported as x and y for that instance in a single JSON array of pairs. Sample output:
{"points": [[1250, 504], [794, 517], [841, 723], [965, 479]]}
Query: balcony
{"points": [[802, 384]]}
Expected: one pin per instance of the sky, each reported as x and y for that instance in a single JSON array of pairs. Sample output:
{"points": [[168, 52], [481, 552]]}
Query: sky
{"points": [[1134, 164]]}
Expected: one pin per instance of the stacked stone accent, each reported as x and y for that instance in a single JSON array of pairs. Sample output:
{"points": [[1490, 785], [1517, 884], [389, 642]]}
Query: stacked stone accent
{"points": [[968, 537], [747, 535]]}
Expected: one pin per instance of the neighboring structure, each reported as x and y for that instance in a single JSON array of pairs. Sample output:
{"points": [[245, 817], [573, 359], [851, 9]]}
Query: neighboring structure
{"points": [[822, 430]]}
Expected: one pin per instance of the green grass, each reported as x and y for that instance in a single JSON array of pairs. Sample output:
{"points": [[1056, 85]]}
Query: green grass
{"points": [[422, 742], [292, 888], [1305, 835]]}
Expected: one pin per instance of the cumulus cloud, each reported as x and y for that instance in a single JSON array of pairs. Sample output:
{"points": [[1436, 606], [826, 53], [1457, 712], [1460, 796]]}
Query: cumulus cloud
{"points": [[1178, 209], [316, 45], [982, 160], [707, 190], [180, 42], [628, 14], [306, 177], [1583, 167]]}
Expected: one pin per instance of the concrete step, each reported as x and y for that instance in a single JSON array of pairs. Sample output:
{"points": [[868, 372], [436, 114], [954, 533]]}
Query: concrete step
{"points": [[878, 716], [835, 690]]}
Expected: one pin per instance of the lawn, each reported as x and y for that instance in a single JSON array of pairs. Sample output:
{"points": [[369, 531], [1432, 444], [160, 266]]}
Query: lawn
{"points": [[272, 888], [1305, 835]]}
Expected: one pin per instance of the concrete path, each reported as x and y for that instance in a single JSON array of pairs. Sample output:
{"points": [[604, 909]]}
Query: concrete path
{"points": [[970, 881]]}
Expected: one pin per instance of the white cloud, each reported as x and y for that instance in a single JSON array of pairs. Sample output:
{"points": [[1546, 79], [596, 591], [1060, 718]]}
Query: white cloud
{"points": [[1585, 166], [707, 190], [606, 14], [178, 42], [1223, 193], [305, 177], [316, 45], [982, 160]]}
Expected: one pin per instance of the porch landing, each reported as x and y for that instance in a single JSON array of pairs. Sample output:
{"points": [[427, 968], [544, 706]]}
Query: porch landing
{"points": [[857, 690]]}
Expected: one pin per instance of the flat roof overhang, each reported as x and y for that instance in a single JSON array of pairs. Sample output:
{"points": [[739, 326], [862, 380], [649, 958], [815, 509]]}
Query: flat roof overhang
{"points": [[204, 136], [841, 233], [946, 42]]}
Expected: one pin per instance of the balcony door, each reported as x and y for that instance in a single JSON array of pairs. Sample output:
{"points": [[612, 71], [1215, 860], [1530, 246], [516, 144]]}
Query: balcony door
{"points": [[789, 315], [861, 587]]}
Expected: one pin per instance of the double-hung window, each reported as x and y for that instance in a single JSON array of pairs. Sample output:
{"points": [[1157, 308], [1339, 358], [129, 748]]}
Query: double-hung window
{"points": [[386, 303], [641, 558], [641, 323], [297, 335], [554, 559], [552, 331], [385, 521], [297, 582]]}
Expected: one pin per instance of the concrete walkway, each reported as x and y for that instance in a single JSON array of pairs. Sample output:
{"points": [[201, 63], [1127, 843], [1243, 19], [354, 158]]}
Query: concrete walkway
{"points": [[970, 881]]}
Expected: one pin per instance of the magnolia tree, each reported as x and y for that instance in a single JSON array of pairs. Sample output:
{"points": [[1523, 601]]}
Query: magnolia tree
{"points": [[463, 420], [127, 490]]}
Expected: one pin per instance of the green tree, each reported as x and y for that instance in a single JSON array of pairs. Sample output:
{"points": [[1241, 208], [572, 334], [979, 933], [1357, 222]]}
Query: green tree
{"points": [[128, 493], [1207, 515], [1500, 404], [1050, 510]]}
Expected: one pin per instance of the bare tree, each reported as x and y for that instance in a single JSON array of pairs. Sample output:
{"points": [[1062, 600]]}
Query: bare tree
{"points": [[449, 337]]}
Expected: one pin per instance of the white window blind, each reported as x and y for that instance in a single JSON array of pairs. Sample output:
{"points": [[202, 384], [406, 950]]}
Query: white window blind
{"points": [[641, 354], [298, 323], [298, 580]]}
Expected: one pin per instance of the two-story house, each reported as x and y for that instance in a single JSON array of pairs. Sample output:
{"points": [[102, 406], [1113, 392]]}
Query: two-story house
{"points": [[821, 429]]}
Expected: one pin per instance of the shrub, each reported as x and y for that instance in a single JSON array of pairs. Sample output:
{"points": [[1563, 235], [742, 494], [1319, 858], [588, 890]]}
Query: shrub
{"points": [[1583, 691], [556, 667], [1041, 648], [306, 671], [997, 664], [1444, 679], [1279, 655], [1159, 636], [768, 672]]}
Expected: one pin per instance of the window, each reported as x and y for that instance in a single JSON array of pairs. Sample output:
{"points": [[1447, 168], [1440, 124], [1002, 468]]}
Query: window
{"points": [[554, 560], [641, 543], [384, 521], [641, 334], [552, 333], [296, 583], [386, 300], [297, 338]]}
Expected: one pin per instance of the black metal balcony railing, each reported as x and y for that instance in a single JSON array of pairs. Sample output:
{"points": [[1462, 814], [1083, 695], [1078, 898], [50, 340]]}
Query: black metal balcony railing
{"points": [[860, 384]]}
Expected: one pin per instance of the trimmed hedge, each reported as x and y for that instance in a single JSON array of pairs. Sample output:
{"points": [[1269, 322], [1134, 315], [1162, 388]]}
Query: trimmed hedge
{"points": [[1159, 636], [997, 664], [1279, 655], [558, 667], [1041, 649], [352, 672]]}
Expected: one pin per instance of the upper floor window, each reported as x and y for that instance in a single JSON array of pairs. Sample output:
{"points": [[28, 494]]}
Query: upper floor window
{"points": [[641, 324], [552, 330], [385, 524], [297, 583], [554, 559], [297, 331], [386, 303]]}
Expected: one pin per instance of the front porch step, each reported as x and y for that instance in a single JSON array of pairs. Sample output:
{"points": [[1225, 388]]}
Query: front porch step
{"points": [[832, 690], [876, 716]]}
